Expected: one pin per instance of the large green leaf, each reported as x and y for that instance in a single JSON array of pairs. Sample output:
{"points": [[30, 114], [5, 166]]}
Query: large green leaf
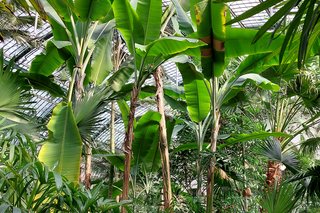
{"points": [[42, 82], [256, 79], [62, 7], [128, 23], [121, 77], [171, 46], [149, 12], [102, 59], [239, 42], [59, 32], [190, 146], [46, 64], [145, 146], [184, 20], [91, 9], [62, 150], [238, 138], [125, 110], [196, 92]]}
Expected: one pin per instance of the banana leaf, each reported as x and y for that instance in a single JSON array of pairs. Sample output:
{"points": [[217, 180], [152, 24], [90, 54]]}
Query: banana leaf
{"points": [[62, 151]]}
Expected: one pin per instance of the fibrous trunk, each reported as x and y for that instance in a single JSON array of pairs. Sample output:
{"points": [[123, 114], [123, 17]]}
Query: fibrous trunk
{"points": [[164, 149], [274, 174], [128, 145]]}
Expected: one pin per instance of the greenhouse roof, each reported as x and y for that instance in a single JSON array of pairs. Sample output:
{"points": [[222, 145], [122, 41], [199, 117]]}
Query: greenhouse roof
{"points": [[23, 55]]}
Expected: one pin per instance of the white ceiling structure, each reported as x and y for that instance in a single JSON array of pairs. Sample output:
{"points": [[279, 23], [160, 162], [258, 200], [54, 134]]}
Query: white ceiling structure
{"points": [[23, 55]]}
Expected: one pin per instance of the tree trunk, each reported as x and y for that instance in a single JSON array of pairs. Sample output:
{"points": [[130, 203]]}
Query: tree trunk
{"points": [[274, 174], [128, 145], [87, 179], [112, 148], [164, 147]]}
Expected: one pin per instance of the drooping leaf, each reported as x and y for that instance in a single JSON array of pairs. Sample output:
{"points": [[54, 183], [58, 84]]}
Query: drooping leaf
{"points": [[185, 24], [45, 64], [238, 138], [310, 146], [190, 146], [62, 150], [116, 160], [256, 79], [145, 146], [311, 179], [41, 82], [120, 77], [196, 92]]}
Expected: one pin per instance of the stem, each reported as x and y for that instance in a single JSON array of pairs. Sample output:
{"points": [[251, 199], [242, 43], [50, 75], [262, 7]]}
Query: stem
{"points": [[112, 147], [72, 82], [213, 144], [75, 34], [164, 148], [245, 198], [199, 159]]}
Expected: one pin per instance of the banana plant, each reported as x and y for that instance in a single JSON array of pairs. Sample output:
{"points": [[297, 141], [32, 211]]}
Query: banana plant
{"points": [[82, 41], [224, 43], [140, 29]]}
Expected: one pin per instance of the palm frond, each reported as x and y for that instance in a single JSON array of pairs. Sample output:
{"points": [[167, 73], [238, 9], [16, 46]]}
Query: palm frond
{"points": [[88, 113], [310, 182], [272, 150], [310, 146], [280, 199]]}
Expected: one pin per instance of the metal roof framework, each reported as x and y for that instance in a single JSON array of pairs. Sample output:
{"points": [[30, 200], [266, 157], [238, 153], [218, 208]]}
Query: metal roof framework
{"points": [[44, 103]]}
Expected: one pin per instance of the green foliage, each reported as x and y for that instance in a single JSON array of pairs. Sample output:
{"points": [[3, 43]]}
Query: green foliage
{"points": [[196, 92], [280, 199], [63, 149]]}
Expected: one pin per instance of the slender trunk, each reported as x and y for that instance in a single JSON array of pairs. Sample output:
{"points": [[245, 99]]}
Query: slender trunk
{"points": [[214, 138], [164, 148], [245, 189], [199, 160], [112, 147], [87, 179], [128, 144], [199, 175]]}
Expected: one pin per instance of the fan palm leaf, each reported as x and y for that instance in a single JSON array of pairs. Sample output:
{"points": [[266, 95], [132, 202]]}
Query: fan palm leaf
{"points": [[310, 185]]}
